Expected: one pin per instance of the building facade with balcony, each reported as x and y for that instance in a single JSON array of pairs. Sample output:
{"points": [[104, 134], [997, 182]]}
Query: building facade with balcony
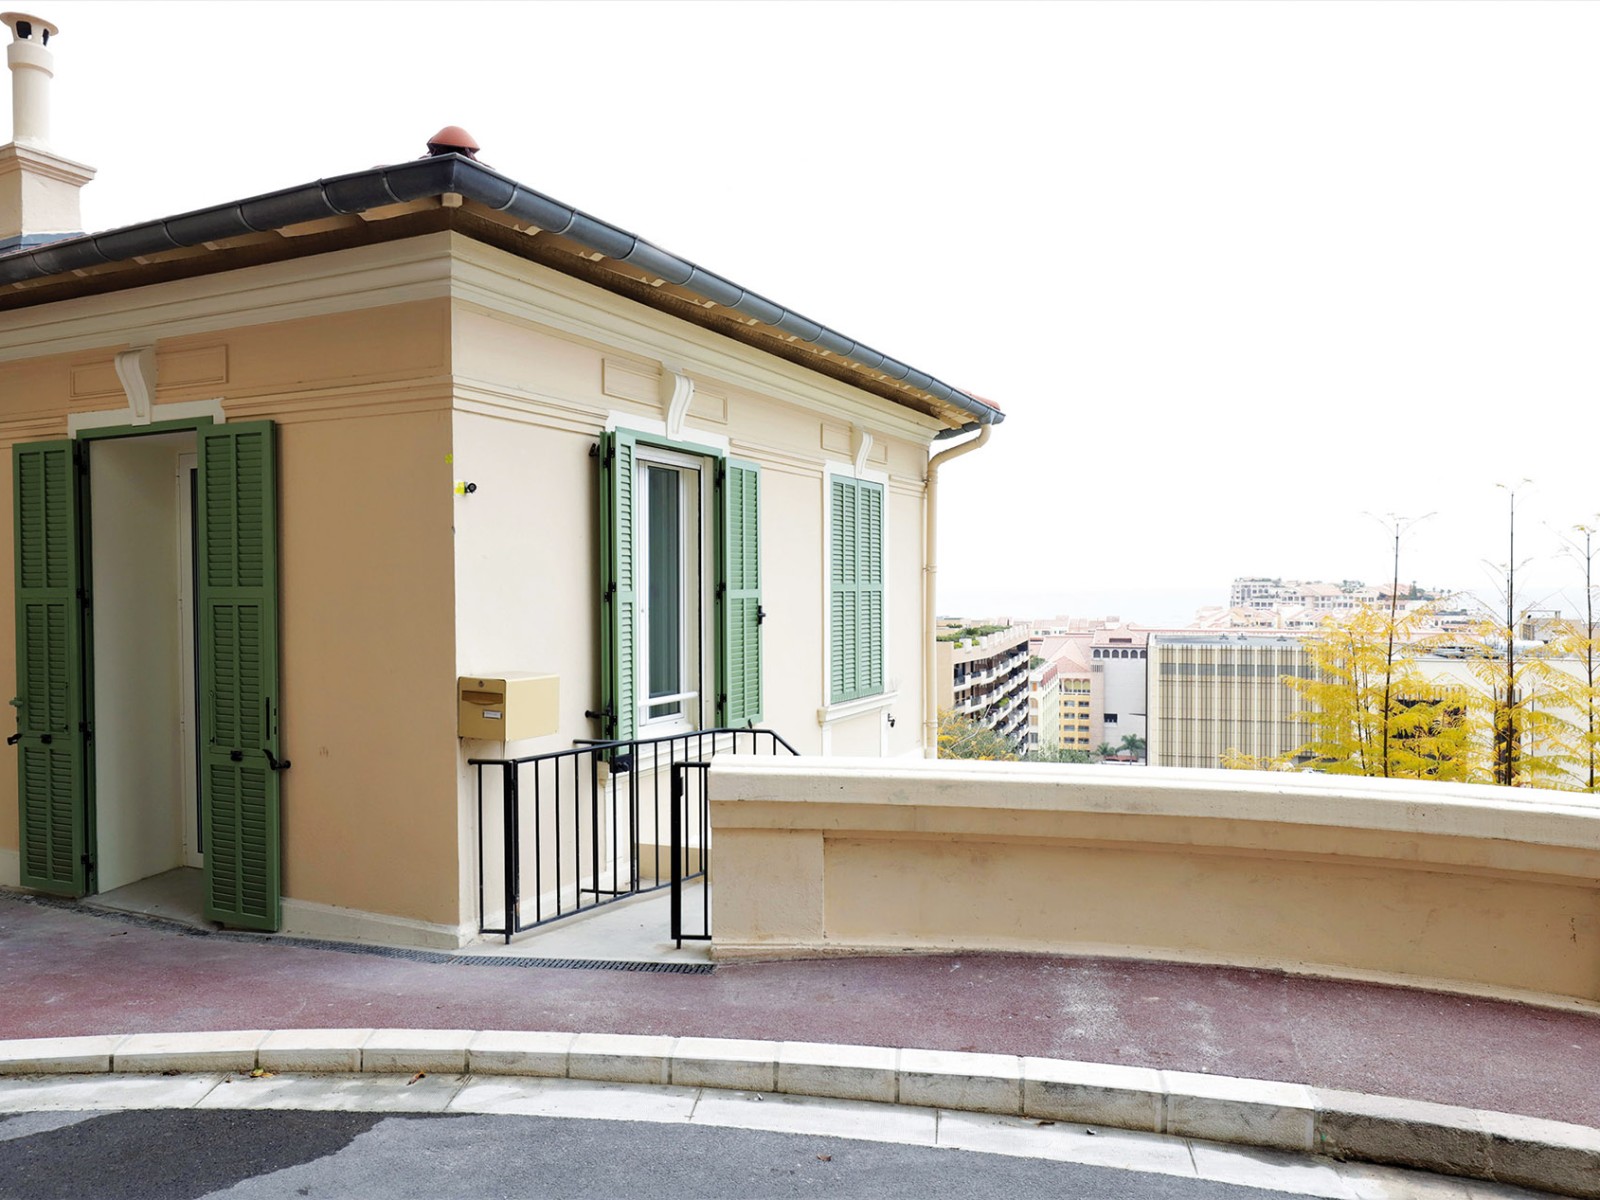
{"points": [[1044, 709], [985, 677]]}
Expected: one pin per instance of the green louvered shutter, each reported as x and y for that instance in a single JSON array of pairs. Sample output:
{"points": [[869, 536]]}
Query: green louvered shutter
{"points": [[855, 569], [869, 545], [739, 596], [51, 750], [619, 595], [238, 602]]}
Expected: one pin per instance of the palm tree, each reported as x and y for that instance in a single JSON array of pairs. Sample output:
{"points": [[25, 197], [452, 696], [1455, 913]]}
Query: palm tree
{"points": [[1134, 745], [1105, 750]]}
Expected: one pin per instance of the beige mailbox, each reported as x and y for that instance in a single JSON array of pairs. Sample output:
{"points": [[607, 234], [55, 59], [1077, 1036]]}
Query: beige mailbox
{"points": [[508, 708]]}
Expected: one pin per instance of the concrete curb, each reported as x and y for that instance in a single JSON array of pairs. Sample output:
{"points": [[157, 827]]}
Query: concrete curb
{"points": [[1491, 1146]]}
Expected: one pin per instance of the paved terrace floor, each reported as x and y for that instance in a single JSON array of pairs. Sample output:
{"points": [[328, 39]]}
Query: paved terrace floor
{"points": [[65, 970]]}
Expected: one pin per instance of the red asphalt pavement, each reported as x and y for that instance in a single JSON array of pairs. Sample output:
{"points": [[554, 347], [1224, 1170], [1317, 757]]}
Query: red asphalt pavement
{"points": [[66, 971]]}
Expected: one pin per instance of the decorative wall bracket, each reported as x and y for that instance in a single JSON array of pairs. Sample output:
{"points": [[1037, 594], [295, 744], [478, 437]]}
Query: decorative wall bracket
{"points": [[136, 369], [677, 393], [860, 447]]}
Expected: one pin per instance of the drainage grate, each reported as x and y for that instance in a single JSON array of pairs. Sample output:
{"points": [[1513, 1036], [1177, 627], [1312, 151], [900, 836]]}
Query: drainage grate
{"points": [[436, 957], [585, 964]]}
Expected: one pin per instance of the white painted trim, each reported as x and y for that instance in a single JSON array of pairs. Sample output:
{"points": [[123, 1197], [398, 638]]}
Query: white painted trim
{"points": [[831, 715], [307, 918], [854, 708], [496, 281], [652, 428], [10, 868], [110, 418], [341, 281]]}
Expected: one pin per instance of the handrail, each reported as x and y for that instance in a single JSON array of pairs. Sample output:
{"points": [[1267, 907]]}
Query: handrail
{"points": [[581, 745], [573, 822]]}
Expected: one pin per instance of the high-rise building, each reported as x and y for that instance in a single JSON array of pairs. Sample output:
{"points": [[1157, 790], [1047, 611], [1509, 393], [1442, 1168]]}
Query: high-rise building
{"points": [[983, 674]]}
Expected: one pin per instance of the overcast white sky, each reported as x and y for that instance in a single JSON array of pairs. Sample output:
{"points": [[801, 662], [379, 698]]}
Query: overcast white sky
{"points": [[1238, 273]]}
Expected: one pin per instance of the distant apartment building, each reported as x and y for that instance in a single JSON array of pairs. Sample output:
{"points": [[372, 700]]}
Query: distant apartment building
{"points": [[1118, 654], [1044, 706], [1212, 693], [1079, 690], [983, 674], [1258, 592]]}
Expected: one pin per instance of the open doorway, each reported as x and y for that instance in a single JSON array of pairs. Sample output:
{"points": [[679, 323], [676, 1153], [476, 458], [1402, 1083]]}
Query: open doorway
{"points": [[146, 823]]}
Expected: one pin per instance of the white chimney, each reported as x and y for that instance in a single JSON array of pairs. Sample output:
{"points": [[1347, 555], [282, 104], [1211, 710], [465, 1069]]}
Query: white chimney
{"points": [[38, 188]]}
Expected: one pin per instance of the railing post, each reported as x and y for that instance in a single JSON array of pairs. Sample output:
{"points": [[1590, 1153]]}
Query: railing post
{"points": [[705, 848], [676, 863], [513, 866], [481, 929]]}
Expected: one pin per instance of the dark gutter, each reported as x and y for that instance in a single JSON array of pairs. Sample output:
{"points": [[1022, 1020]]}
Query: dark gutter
{"points": [[435, 176]]}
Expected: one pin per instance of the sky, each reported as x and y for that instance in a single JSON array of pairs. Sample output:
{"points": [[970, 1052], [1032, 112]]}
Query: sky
{"points": [[1245, 277]]}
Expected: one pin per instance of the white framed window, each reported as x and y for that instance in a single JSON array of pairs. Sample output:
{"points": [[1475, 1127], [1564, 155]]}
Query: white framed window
{"points": [[680, 587], [673, 490]]}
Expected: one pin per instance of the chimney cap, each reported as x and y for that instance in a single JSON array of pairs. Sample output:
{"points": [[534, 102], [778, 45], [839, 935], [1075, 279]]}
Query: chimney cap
{"points": [[14, 21], [453, 139]]}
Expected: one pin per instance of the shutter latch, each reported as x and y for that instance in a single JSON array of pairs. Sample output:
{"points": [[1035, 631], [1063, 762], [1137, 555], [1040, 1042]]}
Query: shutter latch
{"points": [[273, 762], [761, 614]]}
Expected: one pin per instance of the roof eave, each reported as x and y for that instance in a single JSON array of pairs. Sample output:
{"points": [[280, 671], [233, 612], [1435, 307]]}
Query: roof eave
{"points": [[448, 174]]}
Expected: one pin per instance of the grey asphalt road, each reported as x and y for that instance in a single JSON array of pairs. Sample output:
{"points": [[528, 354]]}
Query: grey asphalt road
{"points": [[257, 1155]]}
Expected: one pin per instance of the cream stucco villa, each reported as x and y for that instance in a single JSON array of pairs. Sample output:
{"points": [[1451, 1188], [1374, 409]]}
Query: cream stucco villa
{"points": [[286, 470]]}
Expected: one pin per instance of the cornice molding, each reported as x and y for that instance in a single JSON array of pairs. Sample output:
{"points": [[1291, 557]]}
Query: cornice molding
{"points": [[500, 283], [341, 281]]}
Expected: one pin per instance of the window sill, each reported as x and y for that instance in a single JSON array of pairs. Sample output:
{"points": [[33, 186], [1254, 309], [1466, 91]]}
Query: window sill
{"points": [[846, 709]]}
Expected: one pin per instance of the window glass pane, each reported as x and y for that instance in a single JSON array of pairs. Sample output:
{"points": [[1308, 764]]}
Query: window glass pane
{"points": [[664, 587]]}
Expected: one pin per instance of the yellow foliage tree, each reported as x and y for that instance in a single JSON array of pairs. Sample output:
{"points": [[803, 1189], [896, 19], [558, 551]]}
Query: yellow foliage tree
{"points": [[1530, 737], [1369, 709], [1578, 640], [962, 737], [1525, 699]]}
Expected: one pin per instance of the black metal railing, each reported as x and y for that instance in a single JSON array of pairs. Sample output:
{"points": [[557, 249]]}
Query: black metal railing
{"points": [[681, 815], [568, 831]]}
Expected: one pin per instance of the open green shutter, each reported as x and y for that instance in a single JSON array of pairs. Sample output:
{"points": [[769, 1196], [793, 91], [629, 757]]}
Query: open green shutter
{"points": [[238, 603], [739, 612], [842, 566], [869, 545], [51, 746], [619, 622]]}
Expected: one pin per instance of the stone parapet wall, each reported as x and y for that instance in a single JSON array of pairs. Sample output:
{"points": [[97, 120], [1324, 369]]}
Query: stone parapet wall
{"points": [[1470, 888]]}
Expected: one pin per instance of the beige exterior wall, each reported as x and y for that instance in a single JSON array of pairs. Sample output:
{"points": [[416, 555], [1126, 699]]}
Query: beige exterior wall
{"points": [[498, 371], [544, 364], [362, 403], [1453, 885]]}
